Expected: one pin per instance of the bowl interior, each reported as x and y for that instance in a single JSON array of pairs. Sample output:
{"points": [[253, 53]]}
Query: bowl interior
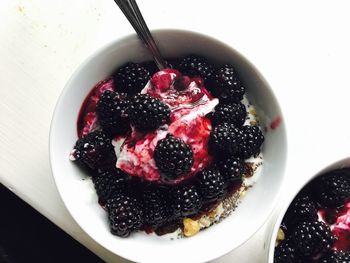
{"points": [[344, 163], [78, 193]]}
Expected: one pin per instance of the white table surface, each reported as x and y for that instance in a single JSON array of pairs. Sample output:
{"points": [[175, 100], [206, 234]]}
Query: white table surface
{"points": [[301, 47]]}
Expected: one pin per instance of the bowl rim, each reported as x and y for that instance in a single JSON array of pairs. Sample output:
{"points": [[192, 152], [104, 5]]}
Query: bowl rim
{"points": [[273, 234], [128, 37]]}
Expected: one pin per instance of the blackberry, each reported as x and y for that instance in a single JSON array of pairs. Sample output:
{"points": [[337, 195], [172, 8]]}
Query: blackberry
{"points": [[234, 113], [186, 200], [312, 238], [336, 257], [125, 215], [211, 185], [223, 140], [250, 141], [131, 78], [301, 209], [232, 168], [93, 150], [285, 252], [147, 113], [332, 189], [155, 204], [110, 182], [226, 85], [194, 65], [111, 112], [173, 157]]}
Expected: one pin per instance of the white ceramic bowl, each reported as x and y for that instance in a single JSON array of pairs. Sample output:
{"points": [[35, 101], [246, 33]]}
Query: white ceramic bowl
{"points": [[344, 163], [79, 196]]}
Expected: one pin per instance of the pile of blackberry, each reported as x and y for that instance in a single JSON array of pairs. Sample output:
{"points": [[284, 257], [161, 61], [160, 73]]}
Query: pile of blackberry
{"points": [[308, 239], [134, 204]]}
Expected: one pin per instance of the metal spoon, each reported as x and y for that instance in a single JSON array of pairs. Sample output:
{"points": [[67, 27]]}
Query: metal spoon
{"points": [[133, 14]]}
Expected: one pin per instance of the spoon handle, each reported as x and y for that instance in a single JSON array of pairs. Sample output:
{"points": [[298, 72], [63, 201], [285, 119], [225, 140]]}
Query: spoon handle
{"points": [[133, 14]]}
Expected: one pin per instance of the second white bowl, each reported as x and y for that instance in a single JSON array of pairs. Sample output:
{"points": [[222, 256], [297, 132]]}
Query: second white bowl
{"points": [[344, 163]]}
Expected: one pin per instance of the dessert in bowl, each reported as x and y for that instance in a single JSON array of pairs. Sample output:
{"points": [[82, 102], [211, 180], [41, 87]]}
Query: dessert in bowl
{"points": [[315, 225], [192, 124]]}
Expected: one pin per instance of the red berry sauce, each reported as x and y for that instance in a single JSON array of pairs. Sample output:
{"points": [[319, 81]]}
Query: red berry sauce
{"points": [[87, 120]]}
